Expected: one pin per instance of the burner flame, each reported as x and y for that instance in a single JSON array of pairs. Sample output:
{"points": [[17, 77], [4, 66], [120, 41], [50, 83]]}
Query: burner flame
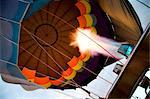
{"points": [[87, 40]]}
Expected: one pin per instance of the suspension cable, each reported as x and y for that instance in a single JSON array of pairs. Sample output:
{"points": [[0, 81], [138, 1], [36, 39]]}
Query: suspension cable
{"points": [[34, 84], [63, 54], [76, 85], [80, 32]]}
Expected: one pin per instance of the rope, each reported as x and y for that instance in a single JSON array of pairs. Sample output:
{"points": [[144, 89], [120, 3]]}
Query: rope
{"points": [[62, 54], [80, 32], [34, 84], [47, 53], [46, 43], [76, 85]]}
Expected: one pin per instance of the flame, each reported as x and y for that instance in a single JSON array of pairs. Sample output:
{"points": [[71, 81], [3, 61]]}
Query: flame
{"points": [[87, 40]]}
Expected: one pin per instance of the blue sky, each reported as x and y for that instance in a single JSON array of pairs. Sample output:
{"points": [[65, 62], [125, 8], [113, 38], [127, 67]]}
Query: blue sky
{"points": [[14, 91]]}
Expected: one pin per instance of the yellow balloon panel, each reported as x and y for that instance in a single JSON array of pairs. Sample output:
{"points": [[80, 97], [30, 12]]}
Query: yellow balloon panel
{"points": [[89, 20]]}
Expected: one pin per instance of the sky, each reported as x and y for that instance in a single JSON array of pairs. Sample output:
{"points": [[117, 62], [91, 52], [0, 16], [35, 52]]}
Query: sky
{"points": [[14, 91], [97, 86]]}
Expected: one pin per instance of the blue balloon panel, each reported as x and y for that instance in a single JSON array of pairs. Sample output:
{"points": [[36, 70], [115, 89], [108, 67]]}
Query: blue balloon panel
{"points": [[35, 6], [13, 9]]}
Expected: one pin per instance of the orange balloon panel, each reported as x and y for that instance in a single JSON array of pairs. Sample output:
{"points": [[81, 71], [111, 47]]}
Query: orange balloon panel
{"points": [[73, 62], [45, 36], [43, 51], [41, 80], [87, 5], [86, 20], [67, 72], [57, 81], [29, 74], [81, 7], [82, 21]]}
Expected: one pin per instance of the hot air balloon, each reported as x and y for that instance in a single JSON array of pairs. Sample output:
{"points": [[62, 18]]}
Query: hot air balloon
{"points": [[42, 48], [46, 38]]}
